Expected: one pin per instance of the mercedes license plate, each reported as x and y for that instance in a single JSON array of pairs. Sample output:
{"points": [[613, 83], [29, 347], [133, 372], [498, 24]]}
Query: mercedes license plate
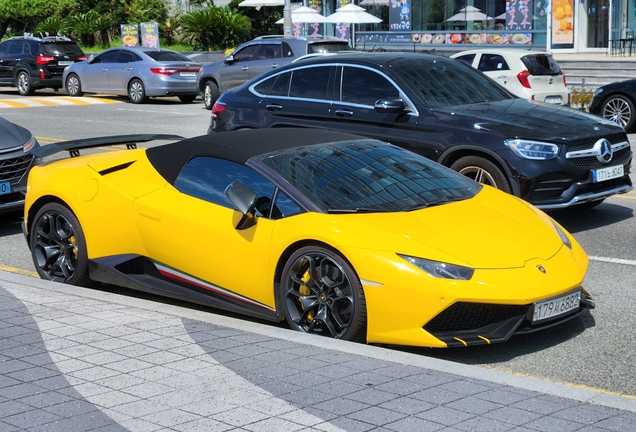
{"points": [[5, 188], [556, 306], [554, 100], [609, 173], [65, 63], [191, 74]]}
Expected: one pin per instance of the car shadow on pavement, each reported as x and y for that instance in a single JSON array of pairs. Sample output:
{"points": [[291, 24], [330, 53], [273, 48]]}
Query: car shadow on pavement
{"points": [[10, 223], [516, 346], [576, 219]]}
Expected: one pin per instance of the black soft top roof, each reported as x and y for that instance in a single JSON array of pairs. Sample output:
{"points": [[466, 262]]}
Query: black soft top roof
{"points": [[238, 146]]}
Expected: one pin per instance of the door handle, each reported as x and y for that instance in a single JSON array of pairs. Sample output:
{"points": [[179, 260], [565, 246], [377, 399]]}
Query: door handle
{"points": [[274, 107], [274, 65], [245, 68], [344, 113], [105, 70], [129, 68]]}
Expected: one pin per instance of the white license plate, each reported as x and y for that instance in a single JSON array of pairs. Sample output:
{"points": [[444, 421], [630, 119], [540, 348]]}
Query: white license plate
{"points": [[187, 74], [65, 63], [554, 100], [609, 173], [557, 306], [5, 188]]}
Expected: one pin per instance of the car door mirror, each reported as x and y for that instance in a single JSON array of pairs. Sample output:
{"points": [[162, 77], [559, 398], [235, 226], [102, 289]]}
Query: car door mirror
{"points": [[230, 59], [394, 105], [244, 200], [91, 59]]}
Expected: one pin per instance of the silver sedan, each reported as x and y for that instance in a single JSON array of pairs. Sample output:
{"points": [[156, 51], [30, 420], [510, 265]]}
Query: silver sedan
{"points": [[139, 73]]}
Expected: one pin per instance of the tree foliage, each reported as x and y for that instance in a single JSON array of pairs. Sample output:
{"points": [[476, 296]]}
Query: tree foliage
{"points": [[213, 27], [263, 20]]}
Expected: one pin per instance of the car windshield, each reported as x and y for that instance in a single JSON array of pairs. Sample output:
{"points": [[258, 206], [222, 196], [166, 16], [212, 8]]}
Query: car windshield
{"points": [[541, 64], [167, 56], [369, 176], [445, 83]]}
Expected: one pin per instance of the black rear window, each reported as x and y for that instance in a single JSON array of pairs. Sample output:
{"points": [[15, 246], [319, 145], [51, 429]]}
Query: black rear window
{"points": [[326, 47], [60, 48], [369, 176], [541, 64], [445, 83], [167, 56]]}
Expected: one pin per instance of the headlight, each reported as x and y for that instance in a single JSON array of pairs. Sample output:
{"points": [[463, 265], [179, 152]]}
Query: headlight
{"points": [[535, 150], [564, 237], [598, 91], [29, 144], [441, 270]]}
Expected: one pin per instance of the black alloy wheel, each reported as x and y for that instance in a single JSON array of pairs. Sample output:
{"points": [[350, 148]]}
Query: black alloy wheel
{"points": [[482, 171], [58, 246], [321, 294], [620, 110]]}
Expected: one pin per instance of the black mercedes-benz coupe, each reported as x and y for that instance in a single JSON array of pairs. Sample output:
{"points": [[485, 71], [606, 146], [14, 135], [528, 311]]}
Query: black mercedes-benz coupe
{"points": [[551, 156]]}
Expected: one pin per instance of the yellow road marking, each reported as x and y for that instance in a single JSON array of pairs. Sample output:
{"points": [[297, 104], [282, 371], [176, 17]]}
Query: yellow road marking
{"points": [[35, 102], [19, 271]]}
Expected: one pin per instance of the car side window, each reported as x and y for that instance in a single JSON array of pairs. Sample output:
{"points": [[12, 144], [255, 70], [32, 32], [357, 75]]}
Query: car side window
{"points": [[268, 51], [492, 62], [311, 82], [287, 51], [365, 87], [3, 48], [284, 207], [127, 57], [15, 47], [207, 178], [107, 57], [468, 59], [246, 54], [277, 85]]}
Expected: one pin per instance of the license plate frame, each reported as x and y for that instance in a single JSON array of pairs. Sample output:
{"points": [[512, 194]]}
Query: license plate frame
{"points": [[556, 306], [65, 62], [556, 100], [5, 188], [609, 173]]}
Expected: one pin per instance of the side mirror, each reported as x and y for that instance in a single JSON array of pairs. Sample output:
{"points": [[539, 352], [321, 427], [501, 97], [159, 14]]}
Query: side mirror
{"points": [[395, 105], [229, 59], [244, 200], [91, 58]]}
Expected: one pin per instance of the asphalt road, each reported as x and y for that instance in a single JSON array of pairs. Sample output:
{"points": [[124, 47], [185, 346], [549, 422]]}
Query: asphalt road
{"points": [[596, 350]]}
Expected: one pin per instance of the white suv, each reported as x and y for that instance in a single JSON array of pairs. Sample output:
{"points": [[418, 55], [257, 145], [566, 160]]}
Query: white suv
{"points": [[528, 74]]}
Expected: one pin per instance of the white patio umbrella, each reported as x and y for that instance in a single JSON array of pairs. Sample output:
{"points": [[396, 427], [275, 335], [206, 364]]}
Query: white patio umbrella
{"points": [[258, 4], [352, 14], [469, 13], [375, 2], [501, 17], [305, 14]]}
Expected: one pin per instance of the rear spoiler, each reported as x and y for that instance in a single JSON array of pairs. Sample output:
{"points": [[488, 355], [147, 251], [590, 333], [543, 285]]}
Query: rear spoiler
{"points": [[73, 147]]}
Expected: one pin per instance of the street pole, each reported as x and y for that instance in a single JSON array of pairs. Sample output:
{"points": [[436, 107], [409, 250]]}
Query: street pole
{"points": [[287, 20]]}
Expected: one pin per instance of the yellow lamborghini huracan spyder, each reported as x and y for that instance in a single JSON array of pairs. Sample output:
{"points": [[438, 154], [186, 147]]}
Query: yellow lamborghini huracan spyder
{"points": [[339, 235]]}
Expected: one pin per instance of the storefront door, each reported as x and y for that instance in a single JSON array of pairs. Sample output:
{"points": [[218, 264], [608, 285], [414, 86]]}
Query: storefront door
{"points": [[598, 23]]}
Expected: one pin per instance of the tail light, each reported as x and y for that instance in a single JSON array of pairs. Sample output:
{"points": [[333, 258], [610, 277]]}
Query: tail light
{"points": [[170, 71], [42, 59], [565, 84], [217, 109], [523, 78], [81, 58]]}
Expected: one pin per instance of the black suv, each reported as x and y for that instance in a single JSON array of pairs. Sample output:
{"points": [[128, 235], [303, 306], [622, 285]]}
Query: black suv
{"points": [[551, 156], [259, 56], [32, 63]]}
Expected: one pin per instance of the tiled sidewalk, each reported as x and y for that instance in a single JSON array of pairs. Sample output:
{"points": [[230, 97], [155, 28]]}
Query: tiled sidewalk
{"points": [[73, 359]]}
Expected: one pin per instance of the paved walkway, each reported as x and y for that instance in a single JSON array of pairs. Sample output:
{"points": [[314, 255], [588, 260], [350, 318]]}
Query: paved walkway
{"points": [[74, 359]]}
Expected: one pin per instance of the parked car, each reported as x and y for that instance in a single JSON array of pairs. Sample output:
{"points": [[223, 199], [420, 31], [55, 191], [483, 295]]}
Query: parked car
{"points": [[339, 231], [34, 63], [551, 156], [139, 73], [616, 102], [527, 74], [16, 158], [256, 57]]}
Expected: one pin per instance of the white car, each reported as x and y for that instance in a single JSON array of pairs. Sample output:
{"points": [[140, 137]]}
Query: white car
{"points": [[528, 74]]}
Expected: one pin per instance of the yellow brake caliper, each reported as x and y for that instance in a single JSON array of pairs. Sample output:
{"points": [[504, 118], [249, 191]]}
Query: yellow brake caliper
{"points": [[74, 243], [304, 290]]}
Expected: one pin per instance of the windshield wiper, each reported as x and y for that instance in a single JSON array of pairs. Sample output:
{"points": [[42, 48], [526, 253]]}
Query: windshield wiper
{"points": [[360, 210]]}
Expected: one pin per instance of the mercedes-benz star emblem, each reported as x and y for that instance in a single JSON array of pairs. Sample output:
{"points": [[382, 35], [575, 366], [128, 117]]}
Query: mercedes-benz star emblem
{"points": [[604, 152], [541, 269]]}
